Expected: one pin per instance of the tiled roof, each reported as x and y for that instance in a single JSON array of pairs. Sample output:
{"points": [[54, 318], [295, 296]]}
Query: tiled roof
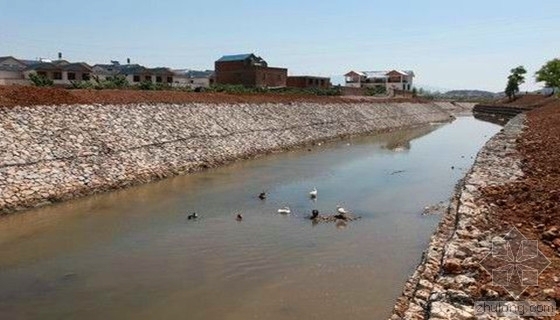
{"points": [[375, 74], [235, 57], [160, 70], [43, 66], [111, 69], [10, 68], [78, 66], [6, 57], [383, 73], [20, 63], [29, 62]]}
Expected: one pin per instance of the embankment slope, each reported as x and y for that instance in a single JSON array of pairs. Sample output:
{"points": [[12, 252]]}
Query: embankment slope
{"points": [[54, 153]]}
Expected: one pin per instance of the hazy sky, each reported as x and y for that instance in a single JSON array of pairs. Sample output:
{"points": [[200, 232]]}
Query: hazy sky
{"points": [[449, 44]]}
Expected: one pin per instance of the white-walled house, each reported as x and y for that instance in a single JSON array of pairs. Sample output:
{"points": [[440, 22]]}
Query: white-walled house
{"points": [[391, 80], [61, 72]]}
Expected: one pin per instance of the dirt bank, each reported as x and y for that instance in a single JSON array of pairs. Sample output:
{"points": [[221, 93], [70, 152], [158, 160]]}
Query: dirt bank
{"points": [[11, 96]]}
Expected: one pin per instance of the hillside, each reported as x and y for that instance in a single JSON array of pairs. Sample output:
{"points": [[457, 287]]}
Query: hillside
{"points": [[470, 94]]}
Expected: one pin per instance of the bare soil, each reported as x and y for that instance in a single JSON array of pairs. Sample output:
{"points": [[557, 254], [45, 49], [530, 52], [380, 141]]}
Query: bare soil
{"points": [[15, 95], [533, 203]]}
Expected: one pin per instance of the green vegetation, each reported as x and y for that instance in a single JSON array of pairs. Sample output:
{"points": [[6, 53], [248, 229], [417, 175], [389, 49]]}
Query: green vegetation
{"points": [[114, 82], [148, 85], [240, 89], [235, 89], [515, 79], [40, 80], [550, 74], [376, 91]]}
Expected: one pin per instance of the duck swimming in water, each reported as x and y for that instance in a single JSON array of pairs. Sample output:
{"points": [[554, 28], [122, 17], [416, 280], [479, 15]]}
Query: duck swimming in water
{"points": [[341, 210], [192, 216], [314, 214], [313, 193], [285, 210], [239, 217], [262, 195]]}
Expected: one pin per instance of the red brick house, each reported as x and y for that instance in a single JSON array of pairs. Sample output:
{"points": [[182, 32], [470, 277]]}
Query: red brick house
{"points": [[309, 82], [249, 70]]}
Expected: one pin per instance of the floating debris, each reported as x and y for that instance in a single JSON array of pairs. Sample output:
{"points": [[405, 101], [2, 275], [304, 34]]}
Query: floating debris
{"points": [[334, 218]]}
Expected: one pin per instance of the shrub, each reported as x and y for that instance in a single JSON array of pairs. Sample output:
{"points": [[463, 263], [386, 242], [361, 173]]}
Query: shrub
{"points": [[40, 81], [376, 91], [146, 85], [234, 88], [115, 82], [240, 89]]}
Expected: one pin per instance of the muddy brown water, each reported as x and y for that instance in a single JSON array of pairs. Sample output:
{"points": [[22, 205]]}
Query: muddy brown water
{"points": [[132, 254]]}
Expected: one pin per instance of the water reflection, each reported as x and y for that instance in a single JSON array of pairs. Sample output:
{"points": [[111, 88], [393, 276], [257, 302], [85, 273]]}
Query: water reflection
{"points": [[496, 119]]}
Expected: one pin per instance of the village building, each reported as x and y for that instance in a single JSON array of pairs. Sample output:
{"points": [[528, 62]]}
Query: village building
{"points": [[11, 71], [249, 70], [193, 79], [306, 82], [61, 72], [391, 80], [134, 73]]}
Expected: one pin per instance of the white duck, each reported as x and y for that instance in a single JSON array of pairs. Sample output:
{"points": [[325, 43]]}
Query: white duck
{"points": [[313, 193], [285, 210], [341, 210]]}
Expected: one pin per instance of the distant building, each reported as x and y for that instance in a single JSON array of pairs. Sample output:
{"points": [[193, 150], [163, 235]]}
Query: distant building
{"points": [[134, 73], [391, 80], [193, 79], [309, 82], [11, 71], [249, 70], [61, 72]]}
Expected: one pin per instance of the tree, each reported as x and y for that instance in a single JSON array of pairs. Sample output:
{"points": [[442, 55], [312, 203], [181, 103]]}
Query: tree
{"points": [[550, 74], [515, 79]]}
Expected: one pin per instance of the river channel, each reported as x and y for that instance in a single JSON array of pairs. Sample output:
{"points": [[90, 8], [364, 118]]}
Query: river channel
{"points": [[133, 254]]}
